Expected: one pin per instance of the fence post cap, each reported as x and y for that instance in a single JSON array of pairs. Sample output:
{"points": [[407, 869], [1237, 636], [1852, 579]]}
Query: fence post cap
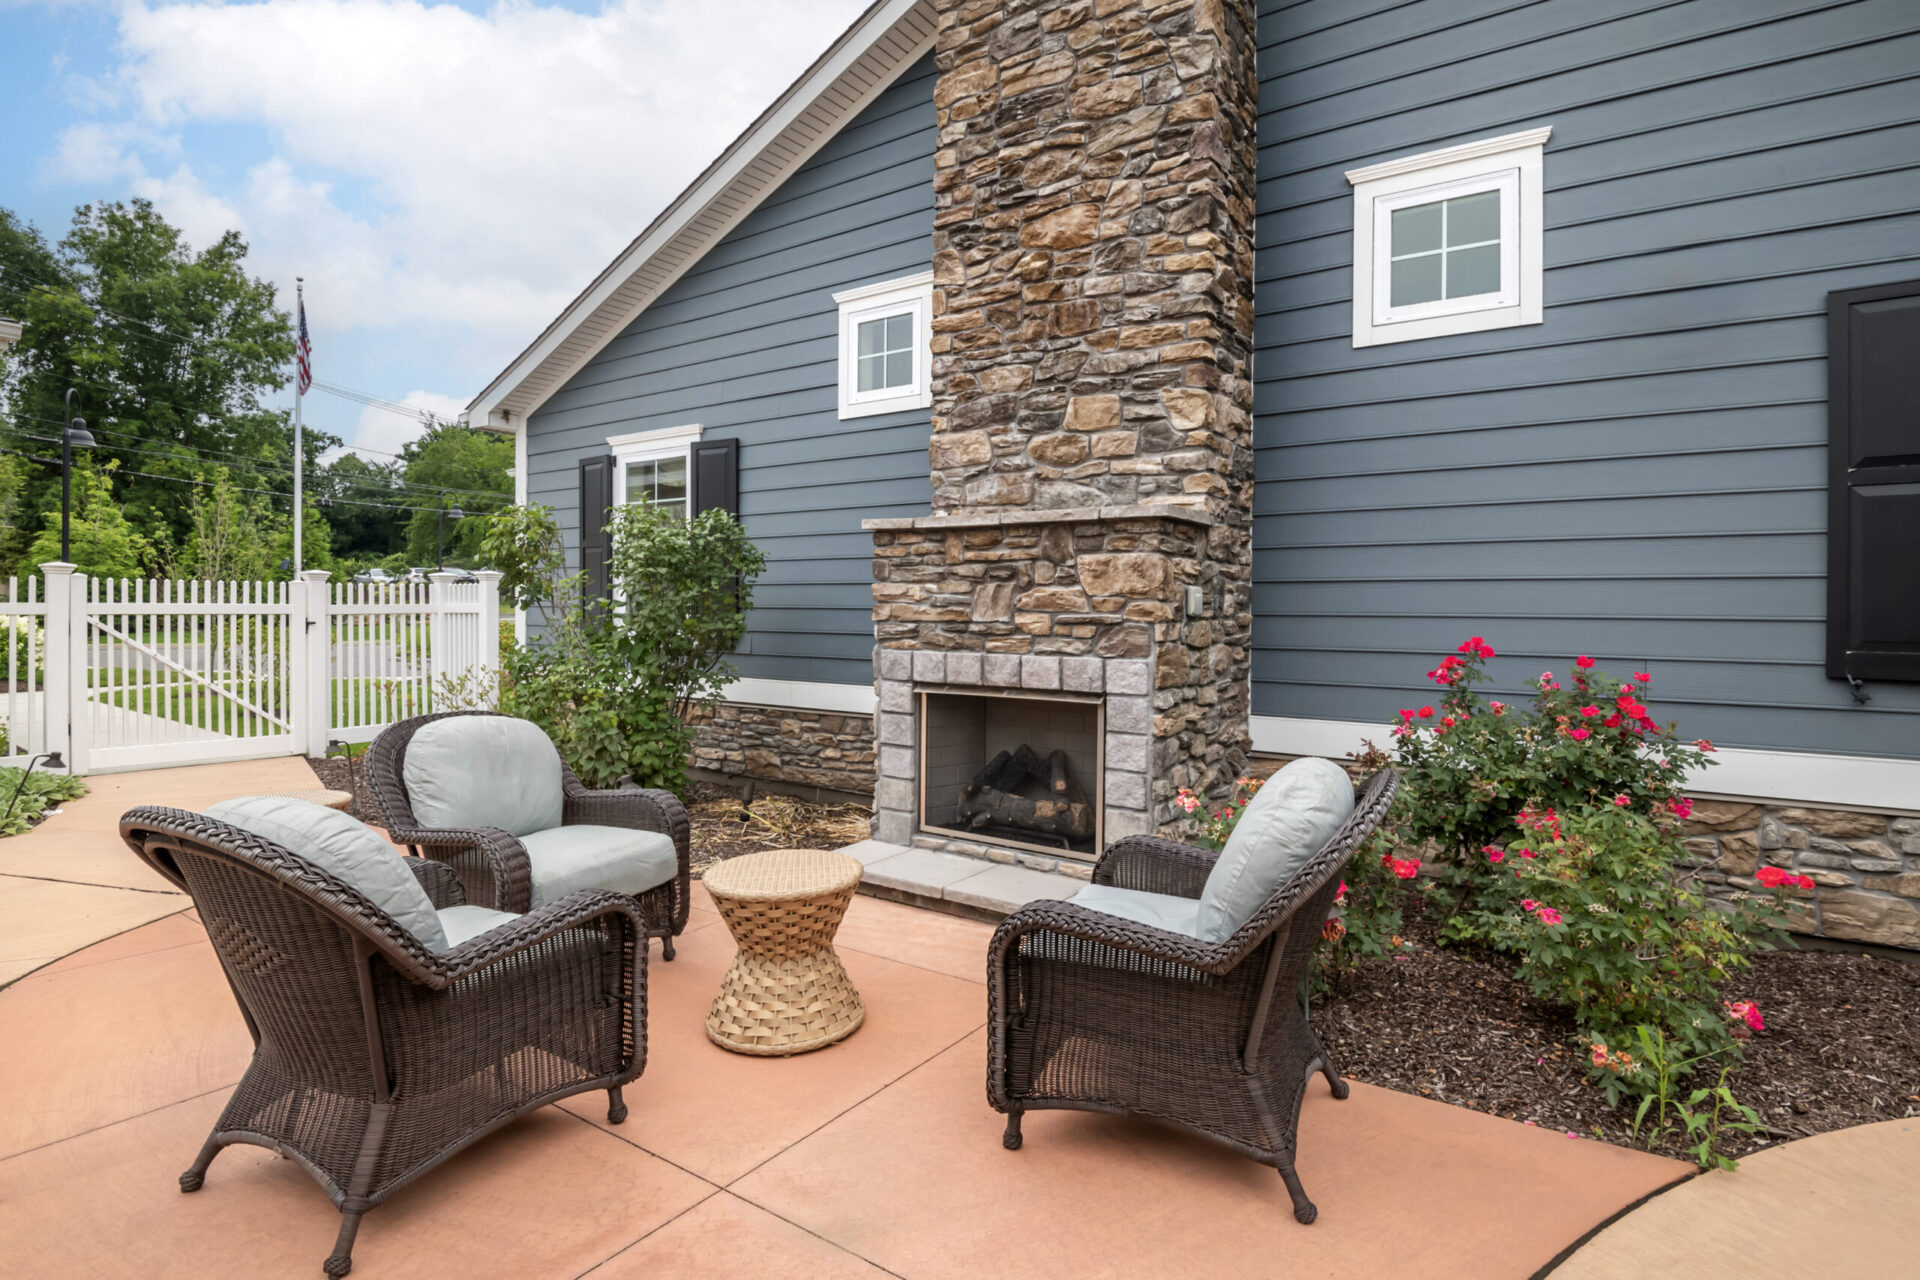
{"points": [[314, 575], [489, 575], [57, 568], [443, 575]]}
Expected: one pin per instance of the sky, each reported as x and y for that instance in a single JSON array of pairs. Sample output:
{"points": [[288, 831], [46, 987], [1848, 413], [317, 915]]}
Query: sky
{"points": [[446, 177]]}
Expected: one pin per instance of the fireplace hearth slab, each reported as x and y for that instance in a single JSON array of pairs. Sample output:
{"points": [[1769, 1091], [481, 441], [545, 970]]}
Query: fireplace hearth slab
{"points": [[953, 882], [1004, 890]]}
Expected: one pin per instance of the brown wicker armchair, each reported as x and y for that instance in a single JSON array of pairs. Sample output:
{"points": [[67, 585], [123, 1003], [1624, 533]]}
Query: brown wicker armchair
{"points": [[1095, 1013], [493, 865], [376, 1058]]}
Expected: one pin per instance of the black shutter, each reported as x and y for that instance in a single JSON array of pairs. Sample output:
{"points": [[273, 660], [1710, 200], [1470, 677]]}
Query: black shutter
{"points": [[716, 476], [596, 510], [1873, 520]]}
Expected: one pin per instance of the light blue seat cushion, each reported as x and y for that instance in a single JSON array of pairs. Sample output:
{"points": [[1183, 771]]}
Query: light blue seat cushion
{"points": [[568, 859], [1161, 910], [1293, 814], [346, 847], [483, 771], [466, 921]]}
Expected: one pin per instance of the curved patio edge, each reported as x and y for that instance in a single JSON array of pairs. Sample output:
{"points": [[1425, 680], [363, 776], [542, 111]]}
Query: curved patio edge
{"points": [[1793, 1210]]}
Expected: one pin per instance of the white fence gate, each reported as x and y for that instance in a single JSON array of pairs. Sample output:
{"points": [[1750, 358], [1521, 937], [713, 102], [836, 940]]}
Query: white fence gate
{"points": [[130, 675]]}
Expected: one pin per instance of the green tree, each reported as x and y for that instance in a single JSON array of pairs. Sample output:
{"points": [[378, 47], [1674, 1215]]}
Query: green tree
{"points": [[231, 535], [365, 527], [171, 351], [104, 542], [472, 463]]}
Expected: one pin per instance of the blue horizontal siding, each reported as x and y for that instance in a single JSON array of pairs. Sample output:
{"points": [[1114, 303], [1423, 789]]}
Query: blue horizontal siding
{"points": [[1642, 476], [745, 343]]}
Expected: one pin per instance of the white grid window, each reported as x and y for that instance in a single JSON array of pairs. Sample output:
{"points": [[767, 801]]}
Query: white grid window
{"points": [[886, 334], [651, 468], [1449, 242]]}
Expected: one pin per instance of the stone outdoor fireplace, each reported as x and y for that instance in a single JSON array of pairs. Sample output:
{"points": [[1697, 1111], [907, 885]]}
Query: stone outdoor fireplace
{"points": [[1092, 448]]}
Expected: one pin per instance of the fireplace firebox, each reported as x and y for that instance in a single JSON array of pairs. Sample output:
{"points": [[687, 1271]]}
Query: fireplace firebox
{"points": [[1013, 769]]}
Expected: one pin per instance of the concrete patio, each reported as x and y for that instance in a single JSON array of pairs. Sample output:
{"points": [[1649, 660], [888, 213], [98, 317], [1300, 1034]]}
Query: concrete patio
{"points": [[878, 1156]]}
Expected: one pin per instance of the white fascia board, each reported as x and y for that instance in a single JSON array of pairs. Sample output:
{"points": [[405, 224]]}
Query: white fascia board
{"points": [[802, 695], [697, 199], [1800, 777]]}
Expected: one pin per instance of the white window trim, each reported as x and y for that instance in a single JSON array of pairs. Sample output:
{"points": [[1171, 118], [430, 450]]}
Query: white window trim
{"points": [[651, 446], [910, 295], [1512, 164]]}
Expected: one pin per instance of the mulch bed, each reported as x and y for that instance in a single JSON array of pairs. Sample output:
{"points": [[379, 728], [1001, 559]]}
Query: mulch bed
{"points": [[721, 828], [1842, 1044]]}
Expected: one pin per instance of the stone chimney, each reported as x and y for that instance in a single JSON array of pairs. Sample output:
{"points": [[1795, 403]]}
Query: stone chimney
{"points": [[1092, 445]]}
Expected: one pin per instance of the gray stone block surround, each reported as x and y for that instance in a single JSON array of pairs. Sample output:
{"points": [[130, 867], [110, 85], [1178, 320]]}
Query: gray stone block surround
{"points": [[1126, 751]]}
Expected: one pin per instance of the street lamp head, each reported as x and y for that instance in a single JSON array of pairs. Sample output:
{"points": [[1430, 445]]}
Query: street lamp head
{"points": [[77, 435], [456, 513]]}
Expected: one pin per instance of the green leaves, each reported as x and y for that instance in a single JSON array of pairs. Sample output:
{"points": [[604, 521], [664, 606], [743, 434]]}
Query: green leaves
{"points": [[616, 689], [40, 792]]}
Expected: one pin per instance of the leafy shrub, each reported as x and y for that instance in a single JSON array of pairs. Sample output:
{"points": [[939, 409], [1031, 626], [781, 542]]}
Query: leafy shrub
{"points": [[40, 792], [1604, 925], [1470, 767], [614, 686]]}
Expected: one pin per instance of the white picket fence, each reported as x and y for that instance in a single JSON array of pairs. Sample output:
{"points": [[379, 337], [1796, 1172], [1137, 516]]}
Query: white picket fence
{"points": [[117, 674]]}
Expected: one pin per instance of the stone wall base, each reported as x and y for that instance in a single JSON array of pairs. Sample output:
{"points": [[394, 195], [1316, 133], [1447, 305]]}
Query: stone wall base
{"points": [[829, 750], [1865, 866]]}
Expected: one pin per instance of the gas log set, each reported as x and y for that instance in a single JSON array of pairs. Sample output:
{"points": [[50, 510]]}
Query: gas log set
{"points": [[1019, 790]]}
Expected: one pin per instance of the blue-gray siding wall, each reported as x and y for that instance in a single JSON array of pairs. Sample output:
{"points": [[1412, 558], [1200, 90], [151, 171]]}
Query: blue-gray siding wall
{"points": [[745, 344], [1642, 476]]}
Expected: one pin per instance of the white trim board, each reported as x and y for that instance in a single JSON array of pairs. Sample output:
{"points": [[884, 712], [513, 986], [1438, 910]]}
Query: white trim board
{"points": [[1867, 782], [802, 695], [883, 42]]}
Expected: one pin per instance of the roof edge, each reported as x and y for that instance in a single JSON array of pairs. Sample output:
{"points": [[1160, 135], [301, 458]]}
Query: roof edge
{"points": [[867, 58]]}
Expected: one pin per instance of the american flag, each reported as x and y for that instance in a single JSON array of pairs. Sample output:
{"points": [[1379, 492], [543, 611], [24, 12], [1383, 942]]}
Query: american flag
{"points": [[303, 351]]}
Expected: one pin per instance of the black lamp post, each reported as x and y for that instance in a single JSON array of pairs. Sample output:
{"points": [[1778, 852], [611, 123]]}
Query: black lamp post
{"points": [[74, 436], [445, 511]]}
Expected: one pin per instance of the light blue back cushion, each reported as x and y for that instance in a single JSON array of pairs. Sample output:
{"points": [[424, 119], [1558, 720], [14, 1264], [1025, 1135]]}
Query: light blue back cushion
{"points": [[346, 847], [1293, 814], [483, 771]]}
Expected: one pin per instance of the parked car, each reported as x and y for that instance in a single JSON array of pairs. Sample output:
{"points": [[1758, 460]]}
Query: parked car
{"points": [[375, 574], [463, 575], [418, 576]]}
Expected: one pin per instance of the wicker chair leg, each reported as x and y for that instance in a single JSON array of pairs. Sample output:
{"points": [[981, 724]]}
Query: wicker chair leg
{"points": [[1303, 1208], [616, 1106], [1011, 1138], [196, 1176], [1335, 1083], [666, 946], [340, 1261]]}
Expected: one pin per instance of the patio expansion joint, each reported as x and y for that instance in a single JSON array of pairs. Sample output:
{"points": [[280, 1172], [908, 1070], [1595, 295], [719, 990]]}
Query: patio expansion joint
{"points": [[726, 1188], [93, 884], [229, 1087]]}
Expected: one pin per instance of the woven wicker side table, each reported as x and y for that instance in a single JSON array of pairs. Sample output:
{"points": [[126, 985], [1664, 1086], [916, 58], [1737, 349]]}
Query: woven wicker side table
{"points": [[786, 992]]}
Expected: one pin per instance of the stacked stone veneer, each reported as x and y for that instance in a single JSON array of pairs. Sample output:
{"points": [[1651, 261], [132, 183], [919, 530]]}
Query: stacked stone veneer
{"points": [[1093, 256], [1865, 866], [1052, 601], [1091, 448], [827, 749]]}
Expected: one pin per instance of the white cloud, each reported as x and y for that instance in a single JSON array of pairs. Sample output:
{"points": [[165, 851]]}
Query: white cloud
{"points": [[431, 165]]}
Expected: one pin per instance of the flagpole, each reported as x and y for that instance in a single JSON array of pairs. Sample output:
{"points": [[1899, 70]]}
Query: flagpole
{"points": [[299, 441]]}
